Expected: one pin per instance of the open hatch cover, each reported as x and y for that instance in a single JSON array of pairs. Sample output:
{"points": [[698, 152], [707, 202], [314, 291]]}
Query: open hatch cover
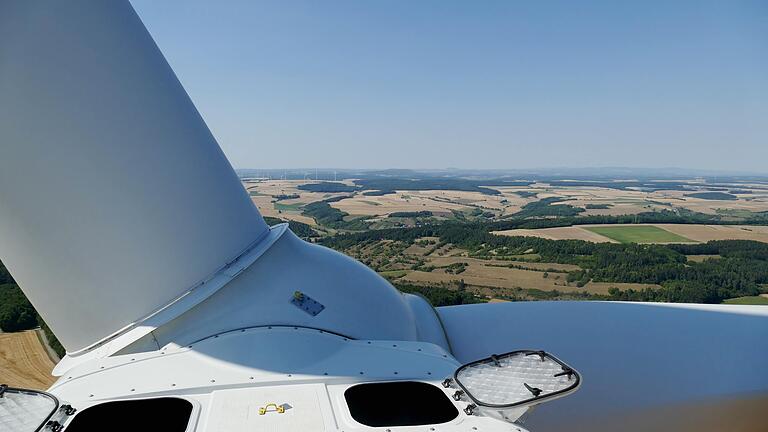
{"points": [[515, 379], [25, 410]]}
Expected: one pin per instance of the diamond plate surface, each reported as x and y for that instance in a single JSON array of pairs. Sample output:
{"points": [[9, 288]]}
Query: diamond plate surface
{"points": [[504, 384], [24, 411]]}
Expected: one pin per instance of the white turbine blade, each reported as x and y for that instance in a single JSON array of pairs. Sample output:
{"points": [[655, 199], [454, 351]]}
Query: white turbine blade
{"points": [[115, 198]]}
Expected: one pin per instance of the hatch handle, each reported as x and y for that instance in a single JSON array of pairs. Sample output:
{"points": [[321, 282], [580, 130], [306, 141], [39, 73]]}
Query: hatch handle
{"points": [[266, 408]]}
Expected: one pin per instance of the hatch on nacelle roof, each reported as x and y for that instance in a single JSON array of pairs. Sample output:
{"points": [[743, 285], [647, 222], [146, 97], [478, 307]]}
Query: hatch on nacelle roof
{"points": [[25, 410]]}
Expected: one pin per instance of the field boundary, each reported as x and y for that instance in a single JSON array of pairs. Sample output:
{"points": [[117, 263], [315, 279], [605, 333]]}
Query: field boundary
{"points": [[44, 342]]}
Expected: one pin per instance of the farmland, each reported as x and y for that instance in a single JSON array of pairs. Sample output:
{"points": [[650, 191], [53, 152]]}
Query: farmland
{"points": [[748, 300], [378, 202], [24, 361], [463, 223], [646, 233]]}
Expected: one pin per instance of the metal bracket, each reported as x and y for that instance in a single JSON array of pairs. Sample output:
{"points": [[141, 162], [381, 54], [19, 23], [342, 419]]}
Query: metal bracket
{"points": [[68, 409], [54, 426], [306, 303]]}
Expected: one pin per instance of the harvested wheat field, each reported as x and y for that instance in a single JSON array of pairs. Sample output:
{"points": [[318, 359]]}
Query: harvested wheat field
{"points": [[559, 233], [24, 361], [704, 233], [400, 201], [754, 202]]}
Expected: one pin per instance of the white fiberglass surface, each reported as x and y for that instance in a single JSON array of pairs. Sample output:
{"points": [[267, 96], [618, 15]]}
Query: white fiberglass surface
{"points": [[505, 383], [24, 411]]}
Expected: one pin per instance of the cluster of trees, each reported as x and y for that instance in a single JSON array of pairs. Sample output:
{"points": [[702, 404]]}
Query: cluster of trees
{"points": [[16, 313], [545, 207], [440, 296], [282, 197], [456, 268], [713, 196], [581, 277], [411, 214], [326, 215], [328, 187]]}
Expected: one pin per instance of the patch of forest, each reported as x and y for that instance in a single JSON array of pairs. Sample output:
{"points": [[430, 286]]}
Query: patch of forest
{"points": [[411, 214], [440, 296], [299, 228], [548, 207], [713, 196], [328, 187], [326, 215]]}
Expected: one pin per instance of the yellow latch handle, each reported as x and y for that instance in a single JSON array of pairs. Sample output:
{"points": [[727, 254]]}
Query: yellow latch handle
{"points": [[278, 408]]}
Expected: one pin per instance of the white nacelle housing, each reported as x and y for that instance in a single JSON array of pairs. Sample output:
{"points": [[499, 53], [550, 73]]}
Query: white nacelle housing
{"points": [[356, 302]]}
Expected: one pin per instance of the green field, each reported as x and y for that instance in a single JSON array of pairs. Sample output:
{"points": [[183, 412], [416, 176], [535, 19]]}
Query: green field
{"points": [[288, 207], [638, 234], [750, 300], [393, 274]]}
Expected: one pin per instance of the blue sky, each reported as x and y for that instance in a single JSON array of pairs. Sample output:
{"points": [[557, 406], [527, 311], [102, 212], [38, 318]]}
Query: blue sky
{"points": [[475, 84]]}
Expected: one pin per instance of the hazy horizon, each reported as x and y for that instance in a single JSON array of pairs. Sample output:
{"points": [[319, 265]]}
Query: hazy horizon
{"points": [[581, 172], [493, 85]]}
